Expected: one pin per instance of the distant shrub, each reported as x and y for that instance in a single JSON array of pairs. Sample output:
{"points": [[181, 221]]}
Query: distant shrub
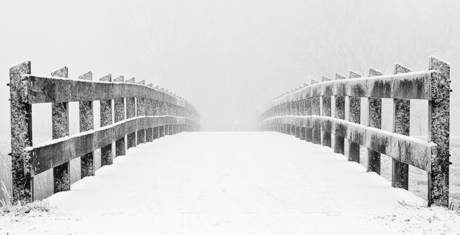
{"points": [[8, 207]]}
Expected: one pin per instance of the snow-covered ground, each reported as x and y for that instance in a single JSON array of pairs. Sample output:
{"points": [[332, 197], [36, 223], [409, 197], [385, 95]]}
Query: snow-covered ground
{"points": [[234, 183]]}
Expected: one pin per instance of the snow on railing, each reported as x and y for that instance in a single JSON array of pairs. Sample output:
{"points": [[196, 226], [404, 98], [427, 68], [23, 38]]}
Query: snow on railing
{"points": [[299, 113], [142, 113]]}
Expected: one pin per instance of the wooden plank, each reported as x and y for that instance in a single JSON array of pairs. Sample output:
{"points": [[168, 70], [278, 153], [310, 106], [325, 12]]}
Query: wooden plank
{"points": [[120, 144], [42, 89], [355, 117]]}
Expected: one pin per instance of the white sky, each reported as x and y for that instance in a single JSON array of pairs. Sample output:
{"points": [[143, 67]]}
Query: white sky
{"points": [[228, 58]]}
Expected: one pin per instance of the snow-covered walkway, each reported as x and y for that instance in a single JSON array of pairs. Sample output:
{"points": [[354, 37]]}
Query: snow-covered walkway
{"points": [[231, 183]]}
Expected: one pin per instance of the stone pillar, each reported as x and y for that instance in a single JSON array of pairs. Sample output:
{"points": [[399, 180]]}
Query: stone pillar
{"points": [[106, 120], [339, 143], [355, 117], [439, 132], [87, 124], [374, 120], [60, 120], [120, 144]]}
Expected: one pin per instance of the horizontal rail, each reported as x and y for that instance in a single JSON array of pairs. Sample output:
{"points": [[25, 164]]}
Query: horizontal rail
{"points": [[403, 148], [47, 89], [414, 85], [56, 152]]}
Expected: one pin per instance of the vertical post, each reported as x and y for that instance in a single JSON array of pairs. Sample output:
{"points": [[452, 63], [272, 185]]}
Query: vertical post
{"points": [[308, 112], [374, 120], [86, 124], [141, 112], [339, 143], [355, 117], [326, 111], [106, 119], [149, 113], [60, 122], [401, 125], [21, 134], [316, 111], [120, 144], [130, 113], [439, 131]]}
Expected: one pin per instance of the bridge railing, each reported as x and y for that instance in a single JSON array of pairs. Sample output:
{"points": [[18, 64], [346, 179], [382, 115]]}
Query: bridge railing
{"points": [[299, 113], [130, 114]]}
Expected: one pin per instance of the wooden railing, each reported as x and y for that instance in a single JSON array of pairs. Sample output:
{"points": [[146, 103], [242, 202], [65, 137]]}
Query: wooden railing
{"points": [[141, 114], [299, 113]]}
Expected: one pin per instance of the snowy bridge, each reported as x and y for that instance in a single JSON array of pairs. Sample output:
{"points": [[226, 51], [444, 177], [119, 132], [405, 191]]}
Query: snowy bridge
{"points": [[197, 180]]}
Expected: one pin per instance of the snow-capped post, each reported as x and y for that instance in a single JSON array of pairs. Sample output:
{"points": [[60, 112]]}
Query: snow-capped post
{"points": [[161, 103], [106, 120], [316, 111], [149, 113], [60, 123], [156, 113], [339, 143], [297, 113], [354, 117], [21, 134], [140, 113], [374, 120], [326, 111], [131, 113], [439, 132], [86, 124], [120, 144], [401, 125]]}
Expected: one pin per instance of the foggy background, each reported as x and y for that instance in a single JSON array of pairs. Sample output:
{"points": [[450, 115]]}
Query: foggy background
{"points": [[227, 57]]}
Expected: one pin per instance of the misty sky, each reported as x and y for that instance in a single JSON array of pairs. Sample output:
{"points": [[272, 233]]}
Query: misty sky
{"points": [[227, 57]]}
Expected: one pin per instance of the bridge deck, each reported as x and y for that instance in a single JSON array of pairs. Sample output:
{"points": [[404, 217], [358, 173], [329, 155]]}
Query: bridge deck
{"points": [[231, 183]]}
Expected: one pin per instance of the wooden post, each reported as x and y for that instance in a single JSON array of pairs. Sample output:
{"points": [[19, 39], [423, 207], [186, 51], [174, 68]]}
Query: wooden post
{"points": [[401, 125], [149, 113], [355, 117], [439, 131], [120, 144], [374, 120], [130, 113], [106, 120], [86, 124], [339, 143], [308, 112], [141, 112], [316, 111], [60, 120], [326, 111], [21, 134]]}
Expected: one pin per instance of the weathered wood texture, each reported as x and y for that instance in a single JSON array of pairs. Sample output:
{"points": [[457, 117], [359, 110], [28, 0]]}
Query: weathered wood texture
{"points": [[298, 112], [374, 120], [326, 111], [439, 132], [21, 134], [355, 117], [87, 124], [54, 157], [60, 123], [339, 143], [401, 119]]}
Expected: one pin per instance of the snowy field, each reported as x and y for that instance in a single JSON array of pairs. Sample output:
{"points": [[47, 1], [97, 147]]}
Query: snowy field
{"points": [[233, 183]]}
